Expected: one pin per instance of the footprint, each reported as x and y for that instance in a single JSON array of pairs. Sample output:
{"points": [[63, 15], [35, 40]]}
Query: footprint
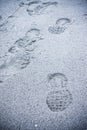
{"points": [[32, 36], [37, 8], [28, 46], [57, 80], [27, 42], [19, 55], [60, 26], [31, 7], [59, 100]]}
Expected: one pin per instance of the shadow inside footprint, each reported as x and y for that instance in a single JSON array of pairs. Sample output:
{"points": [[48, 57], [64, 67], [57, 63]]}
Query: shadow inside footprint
{"points": [[59, 100], [57, 80], [33, 32], [56, 29], [63, 21], [60, 26]]}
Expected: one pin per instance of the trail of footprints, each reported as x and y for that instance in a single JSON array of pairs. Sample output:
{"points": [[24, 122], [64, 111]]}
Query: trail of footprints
{"points": [[58, 99], [60, 26], [19, 55]]}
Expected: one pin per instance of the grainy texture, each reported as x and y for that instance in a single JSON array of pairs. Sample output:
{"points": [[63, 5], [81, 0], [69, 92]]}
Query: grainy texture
{"points": [[43, 64]]}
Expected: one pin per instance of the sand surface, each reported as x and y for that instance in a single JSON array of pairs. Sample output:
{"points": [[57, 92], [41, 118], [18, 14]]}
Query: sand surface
{"points": [[43, 65]]}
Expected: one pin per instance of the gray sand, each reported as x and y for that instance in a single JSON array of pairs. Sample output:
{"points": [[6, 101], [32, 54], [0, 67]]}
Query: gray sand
{"points": [[43, 65]]}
